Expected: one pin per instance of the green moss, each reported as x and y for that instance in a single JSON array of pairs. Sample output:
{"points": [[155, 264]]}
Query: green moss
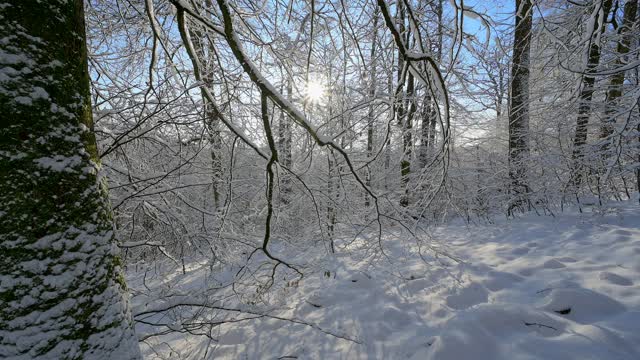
{"points": [[67, 207], [405, 168], [116, 269]]}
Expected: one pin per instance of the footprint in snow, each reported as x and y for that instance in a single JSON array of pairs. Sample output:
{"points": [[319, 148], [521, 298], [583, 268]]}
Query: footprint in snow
{"points": [[623, 239], [581, 305], [622, 234], [615, 279], [499, 280], [416, 286], [466, 297], [553, 264], [526, 272], [520, 251], [395, 318]]}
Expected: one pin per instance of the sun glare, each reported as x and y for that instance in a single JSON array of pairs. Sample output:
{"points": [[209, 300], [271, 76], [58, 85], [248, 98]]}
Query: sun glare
{"points": [[315, 91]]}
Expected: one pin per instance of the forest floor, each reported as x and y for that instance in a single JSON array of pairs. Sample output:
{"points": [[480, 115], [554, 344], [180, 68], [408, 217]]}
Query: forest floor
{"points": [[537, 287]]}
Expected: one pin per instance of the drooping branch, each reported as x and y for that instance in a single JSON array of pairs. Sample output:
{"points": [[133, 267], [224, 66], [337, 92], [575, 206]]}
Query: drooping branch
{"points": [[186, 39]]}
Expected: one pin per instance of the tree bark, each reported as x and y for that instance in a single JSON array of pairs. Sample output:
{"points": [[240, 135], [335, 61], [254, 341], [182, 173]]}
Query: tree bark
{"points": [[428, 113], [407, 139], [372, 94], [62, 290], [519, 106], [211, 116], [284, 148], [584, 100], [401, 108], [617, 80]]}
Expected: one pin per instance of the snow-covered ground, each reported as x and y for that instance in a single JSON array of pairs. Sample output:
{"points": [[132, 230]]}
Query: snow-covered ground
{"points": [[537, 287]]}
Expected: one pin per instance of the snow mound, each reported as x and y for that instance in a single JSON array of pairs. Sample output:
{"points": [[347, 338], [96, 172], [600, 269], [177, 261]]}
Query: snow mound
{"points": [[492, 331], [615, 279], [582, 305], [513, 332]]}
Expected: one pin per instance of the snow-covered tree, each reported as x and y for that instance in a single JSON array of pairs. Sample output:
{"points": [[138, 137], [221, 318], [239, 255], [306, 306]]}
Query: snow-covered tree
{"points": [[62, 289]]}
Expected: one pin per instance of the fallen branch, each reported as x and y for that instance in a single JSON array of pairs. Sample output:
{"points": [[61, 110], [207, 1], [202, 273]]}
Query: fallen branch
{"points": [[140, 317], [540, 325]]}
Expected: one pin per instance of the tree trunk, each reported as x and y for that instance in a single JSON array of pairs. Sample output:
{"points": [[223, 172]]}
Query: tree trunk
{"points": [[370, 113], [428, 117], [617, 80], [284, 149], [429, 114], [62, 290], [331, 195], [407, 139], [519, 106], [211, 116], [401, 109], [584, 100], [638, 168]]}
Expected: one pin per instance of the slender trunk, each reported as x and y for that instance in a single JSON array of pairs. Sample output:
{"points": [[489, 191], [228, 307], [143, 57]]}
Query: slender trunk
{"points": [[333, 192], [401, 109], [331, 210], [638, 156], [387, 145], [440, 30], [372, 94], [211, 116], [617, 80], [638, 168], [429, 114], [407, 140], [431, 141], [284, 149], [519, 106], [584, 99], [63, 293], [427, 117]]}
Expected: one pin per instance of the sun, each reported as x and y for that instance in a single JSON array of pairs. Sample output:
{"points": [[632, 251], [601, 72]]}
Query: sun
{"points": [[315, 91]]}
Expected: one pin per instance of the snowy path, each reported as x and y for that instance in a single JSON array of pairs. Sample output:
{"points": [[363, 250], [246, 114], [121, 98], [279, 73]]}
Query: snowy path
{"points": [[533, 288]]}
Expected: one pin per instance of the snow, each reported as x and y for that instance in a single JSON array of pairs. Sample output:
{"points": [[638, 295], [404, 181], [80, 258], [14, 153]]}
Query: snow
{"points": [[59, 162], [536, 287]]}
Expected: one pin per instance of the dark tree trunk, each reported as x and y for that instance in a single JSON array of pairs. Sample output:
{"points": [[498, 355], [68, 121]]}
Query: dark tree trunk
{"points": [[63, 293], [584, 101], [407, 139], [284, 149], [428, 113], [372, 94], [617, 80], [519, 105], [401, 109]]}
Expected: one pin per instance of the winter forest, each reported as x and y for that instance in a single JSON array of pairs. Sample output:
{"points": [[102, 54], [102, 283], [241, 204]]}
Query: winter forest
{"points": [[320, 179]]}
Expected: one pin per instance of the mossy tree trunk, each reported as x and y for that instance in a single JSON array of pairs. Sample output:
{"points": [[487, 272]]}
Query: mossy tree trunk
{"points": [[62, 290]]}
